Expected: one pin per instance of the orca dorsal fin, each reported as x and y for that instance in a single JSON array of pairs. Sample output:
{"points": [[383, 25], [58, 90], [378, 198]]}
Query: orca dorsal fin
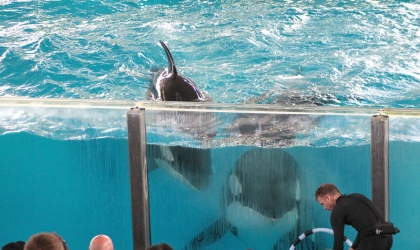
{"points": [[171, 63]]}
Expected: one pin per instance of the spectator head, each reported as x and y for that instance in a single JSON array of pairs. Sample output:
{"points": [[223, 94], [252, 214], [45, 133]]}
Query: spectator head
{"points": [[45, 241], [101, 242], [18, 245]]}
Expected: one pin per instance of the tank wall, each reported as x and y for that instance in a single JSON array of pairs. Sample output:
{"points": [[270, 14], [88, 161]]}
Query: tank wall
{"points": [[74, 180]]}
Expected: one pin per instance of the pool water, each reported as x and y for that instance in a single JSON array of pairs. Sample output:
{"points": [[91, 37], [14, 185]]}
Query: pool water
{"points": [[71, 175], [77, 188], [343, 53], [80, 188]]}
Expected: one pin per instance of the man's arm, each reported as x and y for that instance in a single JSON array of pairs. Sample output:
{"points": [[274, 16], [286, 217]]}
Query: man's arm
{"points": [[356, 241], [337, 224]]}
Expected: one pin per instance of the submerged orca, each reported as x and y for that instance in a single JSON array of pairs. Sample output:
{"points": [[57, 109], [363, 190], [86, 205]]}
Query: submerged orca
{"points": [[168, 85], [191, 166], [267, 130], [260, 201]]}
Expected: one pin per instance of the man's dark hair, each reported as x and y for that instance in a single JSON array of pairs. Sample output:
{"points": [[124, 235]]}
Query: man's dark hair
{"points": [[18, 245], [325, 189]]}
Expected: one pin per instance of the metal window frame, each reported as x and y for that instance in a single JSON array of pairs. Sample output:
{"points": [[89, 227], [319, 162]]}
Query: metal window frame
{"points": [[139, 185], [380, 163]]}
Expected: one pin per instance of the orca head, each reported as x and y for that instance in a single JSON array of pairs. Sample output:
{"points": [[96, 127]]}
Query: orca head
{"points": [[265, 180], [260, 201], [261, 195]]}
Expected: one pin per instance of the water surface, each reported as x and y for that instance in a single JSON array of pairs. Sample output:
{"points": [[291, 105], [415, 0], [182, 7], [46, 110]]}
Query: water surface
{"points": [[343, 53]]}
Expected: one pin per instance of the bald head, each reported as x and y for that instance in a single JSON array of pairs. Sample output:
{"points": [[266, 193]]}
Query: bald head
{"points": [[101, 242]]}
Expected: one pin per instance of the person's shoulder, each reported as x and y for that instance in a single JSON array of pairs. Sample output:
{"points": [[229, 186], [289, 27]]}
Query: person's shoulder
{"points": [[361, 198], [357, 195], [345, 199]]}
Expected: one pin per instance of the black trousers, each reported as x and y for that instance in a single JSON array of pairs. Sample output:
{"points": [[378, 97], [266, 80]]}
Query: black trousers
{"points": [[375, 242]]}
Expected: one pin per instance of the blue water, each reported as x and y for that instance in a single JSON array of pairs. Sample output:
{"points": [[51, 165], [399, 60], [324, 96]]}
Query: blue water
{"points": [[343, 53], [77, 188], [69, 174], [80, 188]]}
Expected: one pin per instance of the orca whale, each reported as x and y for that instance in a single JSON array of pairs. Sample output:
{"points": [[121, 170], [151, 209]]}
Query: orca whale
{"points": [[259, 202], [169, 85], [191, 166], [268, 130]]}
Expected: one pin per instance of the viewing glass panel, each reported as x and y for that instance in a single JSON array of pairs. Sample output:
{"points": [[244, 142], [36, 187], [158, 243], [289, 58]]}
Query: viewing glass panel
{"points": [[64, 169], [404, 173], [237, 177]]}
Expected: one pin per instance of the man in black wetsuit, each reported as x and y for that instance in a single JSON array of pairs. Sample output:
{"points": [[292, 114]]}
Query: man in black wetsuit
{"points": [[355, 210]]}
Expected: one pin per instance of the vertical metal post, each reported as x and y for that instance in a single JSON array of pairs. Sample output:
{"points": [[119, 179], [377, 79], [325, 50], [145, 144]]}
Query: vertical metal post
{"points": [[379, 150], [136, 125]]}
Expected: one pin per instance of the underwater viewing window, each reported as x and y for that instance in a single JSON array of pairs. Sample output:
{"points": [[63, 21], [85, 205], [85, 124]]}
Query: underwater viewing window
{"points": [[253, 170], [218, 176]]}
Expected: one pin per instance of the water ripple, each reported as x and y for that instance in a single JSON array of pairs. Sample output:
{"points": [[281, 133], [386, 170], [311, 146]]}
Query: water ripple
{"points": [[227, 47], [354, 53]]}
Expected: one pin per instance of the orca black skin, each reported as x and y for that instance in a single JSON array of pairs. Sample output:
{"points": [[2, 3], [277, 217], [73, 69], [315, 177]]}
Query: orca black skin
{"points": [[192, 166], [168, 85], [261, 196]]}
